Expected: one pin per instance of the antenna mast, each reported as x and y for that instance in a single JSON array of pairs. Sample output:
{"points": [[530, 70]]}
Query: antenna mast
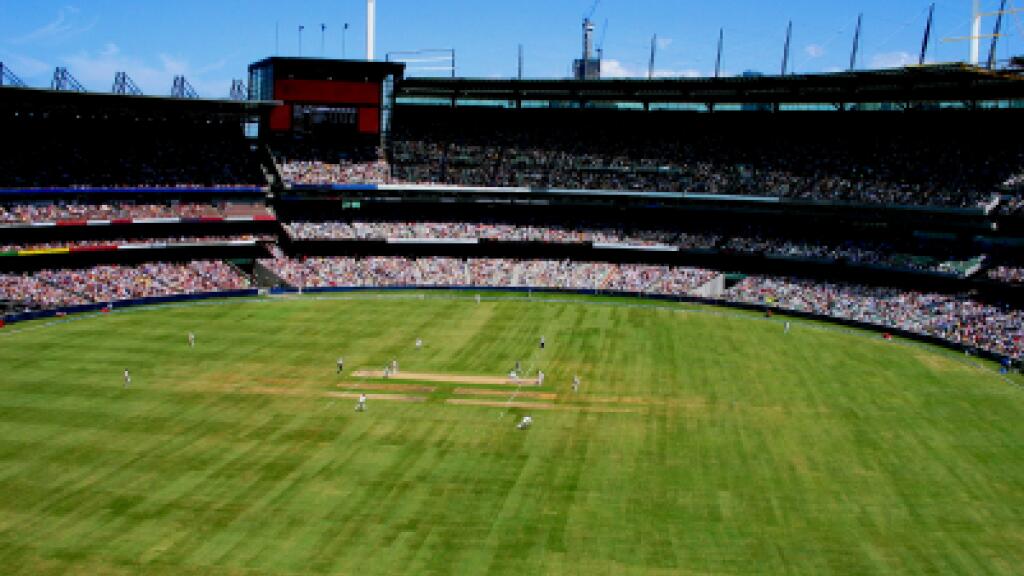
{"points": [[996, 34], [927, 36], [856, 43], [654, 49], [785, 49], [718, 59]]}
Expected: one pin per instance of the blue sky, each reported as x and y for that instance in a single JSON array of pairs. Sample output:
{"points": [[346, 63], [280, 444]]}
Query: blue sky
{"points": [[213, 41]]}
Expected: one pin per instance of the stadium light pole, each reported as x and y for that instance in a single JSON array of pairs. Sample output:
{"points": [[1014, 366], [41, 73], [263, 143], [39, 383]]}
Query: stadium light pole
{"points": [[371, 25], [976, 33]]}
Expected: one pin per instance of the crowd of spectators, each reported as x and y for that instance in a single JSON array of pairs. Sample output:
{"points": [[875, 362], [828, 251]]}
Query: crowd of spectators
{"points": [[31, 293], [474, 230], [74, 151], [52, 212], [862, 253], [1007, 274], [485, 272], [905, 167], [954, 318], [104, 284], [858, 253], [305, 172], [138, 241]]}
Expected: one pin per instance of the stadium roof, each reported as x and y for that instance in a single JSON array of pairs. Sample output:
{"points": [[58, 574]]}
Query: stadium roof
{"points": [[950, 82], [55, 99], [329, 68]]}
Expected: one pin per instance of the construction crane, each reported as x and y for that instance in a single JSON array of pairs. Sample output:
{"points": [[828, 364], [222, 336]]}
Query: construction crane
{"points": [[600, 43]]}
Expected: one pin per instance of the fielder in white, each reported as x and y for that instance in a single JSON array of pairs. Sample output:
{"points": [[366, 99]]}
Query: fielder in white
{"points": [[361, 404]]}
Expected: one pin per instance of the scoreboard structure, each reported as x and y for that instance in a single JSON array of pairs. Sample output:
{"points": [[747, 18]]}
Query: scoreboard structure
{"points": [[325, 100]]}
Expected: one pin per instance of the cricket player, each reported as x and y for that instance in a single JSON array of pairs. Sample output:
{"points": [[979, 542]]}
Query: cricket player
{"points": [[786, 331], [576, 383], [191, 340], [541, 342], [341, 364], [419, 343], [525, 423], [127, 378], [540, 377], [361, 404], [394, 366]]}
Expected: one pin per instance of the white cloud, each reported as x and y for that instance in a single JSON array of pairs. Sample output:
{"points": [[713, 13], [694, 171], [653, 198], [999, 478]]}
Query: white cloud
{"points": [[63, 26], [892, 60], [173, 65], [814, 50], [615, 69], [95, 70], [24, 66]]}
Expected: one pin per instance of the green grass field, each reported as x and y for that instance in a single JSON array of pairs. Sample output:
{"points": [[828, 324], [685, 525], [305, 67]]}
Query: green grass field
{"points": [[738, 450]]}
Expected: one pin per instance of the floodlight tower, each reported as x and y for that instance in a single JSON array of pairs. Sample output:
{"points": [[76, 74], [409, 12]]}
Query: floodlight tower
{"points": [[371, 27]]}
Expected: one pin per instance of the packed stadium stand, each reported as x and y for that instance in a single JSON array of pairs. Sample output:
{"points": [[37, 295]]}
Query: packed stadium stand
{"points": [[877, 210], [859, 158]]}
